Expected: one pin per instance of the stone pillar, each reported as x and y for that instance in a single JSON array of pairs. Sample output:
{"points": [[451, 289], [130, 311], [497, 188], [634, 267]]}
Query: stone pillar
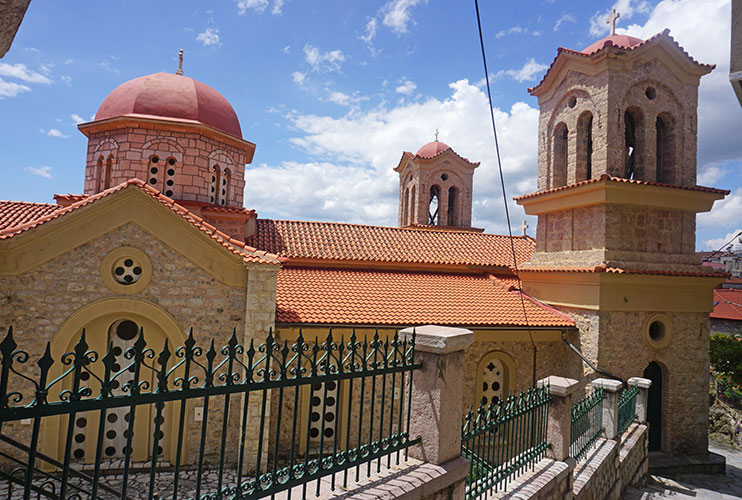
{"points": [[437, 404], [611, 389], [559, 429], [642, 393]]}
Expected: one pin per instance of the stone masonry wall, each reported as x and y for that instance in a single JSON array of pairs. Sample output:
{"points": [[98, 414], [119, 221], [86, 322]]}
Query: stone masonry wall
{"points": [[195, 155]]}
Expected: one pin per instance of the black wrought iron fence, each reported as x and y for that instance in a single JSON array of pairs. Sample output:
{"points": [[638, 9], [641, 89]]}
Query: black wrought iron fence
{"points": [[626, 408], [198, 423], [502, 439], [587, 423]]}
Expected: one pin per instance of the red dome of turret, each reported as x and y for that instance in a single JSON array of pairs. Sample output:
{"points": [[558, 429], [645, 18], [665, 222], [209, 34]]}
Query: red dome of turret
{"points": [[169, 96], [432, 148], [620, 41]]}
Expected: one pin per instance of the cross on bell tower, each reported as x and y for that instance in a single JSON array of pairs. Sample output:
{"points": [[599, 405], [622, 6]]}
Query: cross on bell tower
{"points": [[612, 18]]}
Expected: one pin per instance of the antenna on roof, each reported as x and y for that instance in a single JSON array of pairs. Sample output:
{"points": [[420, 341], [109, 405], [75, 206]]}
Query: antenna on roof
{"points": [[180, 63], [612, 17]]}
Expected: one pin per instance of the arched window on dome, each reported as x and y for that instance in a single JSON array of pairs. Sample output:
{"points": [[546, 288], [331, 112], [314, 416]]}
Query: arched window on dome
{"points": [[495, 377], [226, 186], [452, 201], [559, 156], [169, 184], [584, 147], [100, 174], [433, 205], [153, 171], [216, 180]]}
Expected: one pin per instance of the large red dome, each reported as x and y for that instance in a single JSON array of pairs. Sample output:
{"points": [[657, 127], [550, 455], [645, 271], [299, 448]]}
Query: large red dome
{"points": [[432, 148], [620, 41], [165, 95]]}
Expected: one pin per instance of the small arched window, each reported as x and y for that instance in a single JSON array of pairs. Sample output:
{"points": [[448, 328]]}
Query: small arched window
{"points": [[633, 144], [665, 160], [433, 205], [452, 202], [109, 172], [226, 186], [169, 168], [559, 161], [100, 174], [216, 179], [406, 207], [413, 206], [153, 171], [584, 147], [495, 377]]}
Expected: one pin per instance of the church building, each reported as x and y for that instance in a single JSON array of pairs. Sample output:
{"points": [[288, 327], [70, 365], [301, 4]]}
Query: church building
{"points": [[160, 240]]}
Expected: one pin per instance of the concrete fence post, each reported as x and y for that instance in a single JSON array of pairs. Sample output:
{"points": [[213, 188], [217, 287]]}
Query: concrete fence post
{"points": [[611, 390], [642, 393], [559, 428], [437, 404]]}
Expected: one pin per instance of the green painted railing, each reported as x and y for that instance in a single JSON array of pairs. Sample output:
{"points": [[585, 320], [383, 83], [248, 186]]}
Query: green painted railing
{"points": [[503, 439], [587, 423], [626, 408], [342, 406]]}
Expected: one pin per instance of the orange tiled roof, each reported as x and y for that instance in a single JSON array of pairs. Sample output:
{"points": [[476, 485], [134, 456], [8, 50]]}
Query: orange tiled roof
{"points": [[727, 304], [665, 34], [378, 244], [617, 270], [16, 213], [606, 177], [248, 253], [398, 298]]}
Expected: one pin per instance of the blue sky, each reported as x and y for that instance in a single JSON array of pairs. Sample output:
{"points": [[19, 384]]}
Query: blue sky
{"points": [[332, 91]]}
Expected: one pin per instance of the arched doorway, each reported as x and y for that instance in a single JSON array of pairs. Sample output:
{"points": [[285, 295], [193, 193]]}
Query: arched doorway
{"points": [[112, 322], [653, 372]]}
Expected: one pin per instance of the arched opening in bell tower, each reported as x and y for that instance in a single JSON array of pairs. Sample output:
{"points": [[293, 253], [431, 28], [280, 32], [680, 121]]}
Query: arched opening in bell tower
{"points": [[433, 205], [559, 162], [633, 144], [665, 158], [452, 201], [584, 169]]}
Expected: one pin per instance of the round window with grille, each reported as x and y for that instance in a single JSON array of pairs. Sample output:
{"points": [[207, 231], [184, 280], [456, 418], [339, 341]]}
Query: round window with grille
{"points": [[126, 270]]}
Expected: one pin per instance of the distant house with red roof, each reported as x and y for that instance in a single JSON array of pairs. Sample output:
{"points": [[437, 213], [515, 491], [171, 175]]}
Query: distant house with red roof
{"points": [[727, 314]]}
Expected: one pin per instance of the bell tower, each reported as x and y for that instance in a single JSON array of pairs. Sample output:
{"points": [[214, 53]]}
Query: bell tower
{"points": [[435, 187], [616, 203]]}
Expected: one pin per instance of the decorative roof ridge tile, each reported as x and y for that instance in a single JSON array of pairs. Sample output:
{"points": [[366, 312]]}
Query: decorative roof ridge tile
{"points": [[607, 177], [603, 268], [34, 203], [662, 34], [248, 253]]}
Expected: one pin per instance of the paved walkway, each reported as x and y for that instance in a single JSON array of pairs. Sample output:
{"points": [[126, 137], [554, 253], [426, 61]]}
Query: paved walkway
{"points": [[697, 486]]}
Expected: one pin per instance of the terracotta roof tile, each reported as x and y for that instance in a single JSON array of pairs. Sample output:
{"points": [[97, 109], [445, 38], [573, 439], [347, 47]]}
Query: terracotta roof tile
{"points": [[408, 245], [606, 177], [248, 253], [727, 304], [665, 34], [15, 213], [616, 270], [397, 298]]}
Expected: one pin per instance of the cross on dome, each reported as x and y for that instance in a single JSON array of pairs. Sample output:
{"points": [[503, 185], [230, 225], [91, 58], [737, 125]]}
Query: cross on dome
{"points": [[436, 135], [524, 226], [180, 63], [612, 17]]}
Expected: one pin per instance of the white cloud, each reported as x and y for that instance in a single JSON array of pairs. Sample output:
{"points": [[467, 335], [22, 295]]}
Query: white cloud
{"points": [[566, 18], [66, 79], [355, 180], [286, 49], [725, 214], [12, 89], [42, 171], [52, 132], [21, 72], [397, 14], [530, 70], [259, 6], [406, 88], [710, 175], [77, 118], [299, 78], [339, 98], [327, 61], [717, 243], [626, 9], [369, 32], [517, 30], [210, 36]]}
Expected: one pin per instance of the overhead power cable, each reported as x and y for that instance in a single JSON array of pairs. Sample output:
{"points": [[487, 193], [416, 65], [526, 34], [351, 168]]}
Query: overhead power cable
{"points": [[504, 196]]}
